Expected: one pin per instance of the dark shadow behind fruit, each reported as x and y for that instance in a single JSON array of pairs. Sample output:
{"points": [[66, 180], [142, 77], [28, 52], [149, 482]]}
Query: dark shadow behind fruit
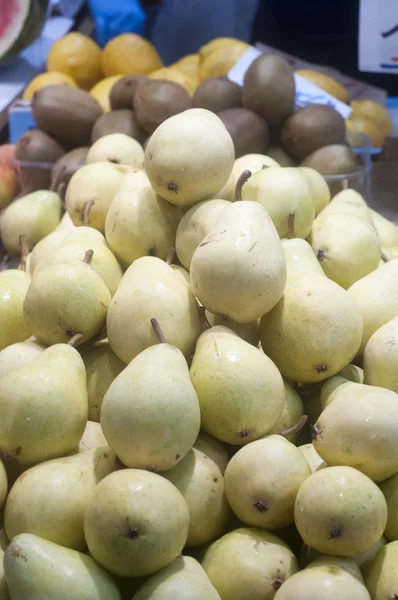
{"points": [[65, 167], [249, 132], [217, 94], [122, 92], [281, 156], [117, 121], [156, 100], [40, 149], [66, 113], [310, 128], [269, 88]]}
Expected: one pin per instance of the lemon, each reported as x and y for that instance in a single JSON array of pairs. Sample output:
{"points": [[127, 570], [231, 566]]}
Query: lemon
{"points": [[360, 123], [173, 74], [44, 79], [102, 90], [220, 58], [79, 57], [129, 54], [330, 85], [375, 111]]}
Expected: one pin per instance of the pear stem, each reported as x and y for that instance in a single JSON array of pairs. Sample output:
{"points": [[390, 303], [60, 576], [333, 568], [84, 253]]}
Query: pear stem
{"points": [[384, 257], [86, 213], [75, 339], [295, 428], [291, 234], [205, 320], [344, 184], [170, 255], [23, 244], [241, 182], [158, 331], [88, 256]]}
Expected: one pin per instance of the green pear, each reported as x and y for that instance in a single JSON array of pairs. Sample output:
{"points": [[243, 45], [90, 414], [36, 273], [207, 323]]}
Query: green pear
{"points": [[313, 331], [150, 415], [282, 192], [43, 406], [291, 413], [4, 593], [364, 559], [381, 575], [347, 247], [183, 274], [134, 179], [150, 288], [19, 354], [389, 253], [347, 564], [376, 297], [249, 563], [140, 223], [353, 373], [136, 523], [214, 449], [97, 183], [45, 247], [319, 189], [358, 429], [240, 390], [14, 285], [66, 224], [340, 511], [93, 437], [194, 226], [312, 457], [309, 555], [349, 202], [200, 481], [102, 367], [390, 491], [239, 269], [183, 579], [262, 480], [300, 257], [117, 148], [35, 216], [252, 162], [380, 359], [36, 569], [349, 374], [64, 300], [250, 332], [387, 231], [50, 499]]}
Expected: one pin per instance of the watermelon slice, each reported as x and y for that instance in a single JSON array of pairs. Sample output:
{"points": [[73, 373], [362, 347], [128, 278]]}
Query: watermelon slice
{"points": [[21, 21]]}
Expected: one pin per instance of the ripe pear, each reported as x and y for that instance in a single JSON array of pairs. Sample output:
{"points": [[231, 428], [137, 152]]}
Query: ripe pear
{"points": [[45, 247], [214, 449], [282, 192], [262, 480], [43, 406], [312, 457], [249, 563], [150, 288], [14, 285], [313, 331], [319, 189], [390, 491], [250, 332], [381, 575], [253, 162], [183, 579], [65, 225], [309, 555], [389, 253], [183, 274], [340, 511], [194, 226], [350, 373], [291, 413], [347, 564], [239, 269], [35, 216], [189, 158], [36, 569], [200, 481], [92, 437], [240, 390], [64, 300], [347, 247], [118, 149], [140, 223], [380, 359], [376, 297], [49, 500], [358, 429], [364, 559], [227, 192], [150, 415], [134, 179], [349, 202], [136, 523], [300, 257], [102, 367], [97, 183], [387, 231]]}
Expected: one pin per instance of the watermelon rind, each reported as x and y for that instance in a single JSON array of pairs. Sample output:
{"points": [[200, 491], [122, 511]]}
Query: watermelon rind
{"points": [[29, 23]]}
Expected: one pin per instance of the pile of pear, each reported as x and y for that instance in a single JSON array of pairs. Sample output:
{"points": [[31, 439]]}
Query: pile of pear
{"points": [[198, 380]]}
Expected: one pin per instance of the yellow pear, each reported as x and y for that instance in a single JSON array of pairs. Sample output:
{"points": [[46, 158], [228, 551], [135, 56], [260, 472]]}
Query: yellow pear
{"points": [[250, 332], [308, 555], [240, 390], [92, 437], [118, 149], [387, 231], [35, 568], [300, 257], [331, 515], [312, 457], [381, 575], [253, 162], [66, 224], [319, 189], [390, 491], [227, 192], [380, 359], [14, 285], [43, 406], [348, 202], [214, 449], [45, 247], [291, 413]]}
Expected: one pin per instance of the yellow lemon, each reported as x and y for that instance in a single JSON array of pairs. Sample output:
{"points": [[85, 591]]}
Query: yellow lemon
{"points": [[219, 61], [79, 57], [44, 79], [360, 123], [102, 90], [130, 54], [173, 74], [375, 111], [330, 85]]}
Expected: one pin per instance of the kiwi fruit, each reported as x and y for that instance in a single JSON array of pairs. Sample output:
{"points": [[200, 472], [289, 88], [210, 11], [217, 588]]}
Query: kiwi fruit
{"points": [[37, 152], [310, 128], [249, 132], [281, 156], [122, 92], [336, 159], [217, 94], [117, 121], [66, 113], [65, 167], [269, 88], [156, 100]]}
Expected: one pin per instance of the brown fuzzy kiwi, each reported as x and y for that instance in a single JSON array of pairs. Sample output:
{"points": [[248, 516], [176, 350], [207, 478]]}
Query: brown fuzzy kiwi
{"points": [[66, 113], [156, 100], [38, 148], [117, 121], [65, 167], [217, 94], [249, 131], [281, 156], [122, 92], [310, 128], [269, 88], [336, 159]]}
